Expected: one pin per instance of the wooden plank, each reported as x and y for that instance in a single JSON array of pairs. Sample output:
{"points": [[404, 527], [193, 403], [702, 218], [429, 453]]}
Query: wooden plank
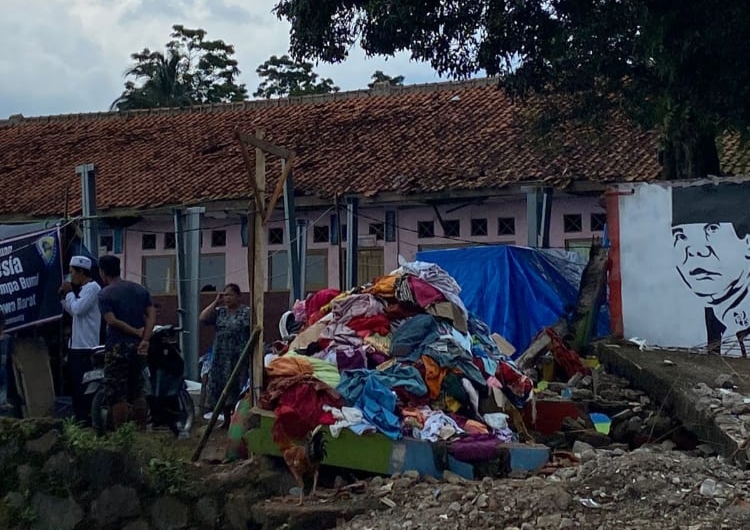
{"points": [[258, 197], [256, 246], [34, 377], [279, 188], [268, 147], [539, 346]]}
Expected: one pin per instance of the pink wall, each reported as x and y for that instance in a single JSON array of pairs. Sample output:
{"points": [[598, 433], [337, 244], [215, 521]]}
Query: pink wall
{"points": [[407, 242]]}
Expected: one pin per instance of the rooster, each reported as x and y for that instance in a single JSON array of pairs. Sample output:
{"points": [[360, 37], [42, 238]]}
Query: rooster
{"points": [[303, 460]]}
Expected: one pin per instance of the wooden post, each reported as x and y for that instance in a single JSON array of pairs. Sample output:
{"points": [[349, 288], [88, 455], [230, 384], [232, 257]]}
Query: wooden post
{"points": [[255, 259]]}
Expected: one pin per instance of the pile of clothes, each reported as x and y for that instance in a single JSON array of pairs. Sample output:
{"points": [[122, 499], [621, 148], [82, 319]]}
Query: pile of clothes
{"points": [[400, 356]]}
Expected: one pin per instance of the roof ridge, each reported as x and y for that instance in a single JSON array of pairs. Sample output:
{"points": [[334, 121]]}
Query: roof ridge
{"points": [[379, 91]]}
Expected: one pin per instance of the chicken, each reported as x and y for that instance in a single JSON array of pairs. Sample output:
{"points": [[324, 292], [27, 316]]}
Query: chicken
{"points": [[304, 460]]}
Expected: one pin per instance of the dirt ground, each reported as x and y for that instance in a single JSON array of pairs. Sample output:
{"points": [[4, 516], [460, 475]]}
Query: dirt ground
{"points": [[654, 488]]}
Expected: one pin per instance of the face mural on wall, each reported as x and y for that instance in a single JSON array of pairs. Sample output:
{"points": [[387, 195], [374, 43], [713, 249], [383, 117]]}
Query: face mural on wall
{"points": [[711, 245]]}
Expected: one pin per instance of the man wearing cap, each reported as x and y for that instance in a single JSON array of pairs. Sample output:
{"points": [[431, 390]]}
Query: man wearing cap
{"points": [[711, 242], [87, 319]]}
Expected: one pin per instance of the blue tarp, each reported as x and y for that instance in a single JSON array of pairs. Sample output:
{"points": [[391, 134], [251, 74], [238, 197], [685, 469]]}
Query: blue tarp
{"points": [[517, 291]]}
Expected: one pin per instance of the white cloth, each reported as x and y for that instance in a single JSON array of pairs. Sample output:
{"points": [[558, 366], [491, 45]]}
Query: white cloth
{"points": [[87, 319], [438, 278], [347, 417], [437, 425]]}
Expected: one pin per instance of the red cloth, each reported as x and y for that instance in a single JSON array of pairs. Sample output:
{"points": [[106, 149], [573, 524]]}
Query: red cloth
{"points": [[365, 326], [317, 302], [402, 310], [424, 293], [298, 405]]}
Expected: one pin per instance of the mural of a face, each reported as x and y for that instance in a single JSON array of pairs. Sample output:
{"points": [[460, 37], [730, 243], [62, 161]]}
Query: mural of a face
{"points": [[711, 259]]}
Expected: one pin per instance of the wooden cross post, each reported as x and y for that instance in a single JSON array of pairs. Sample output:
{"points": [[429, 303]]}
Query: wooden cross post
{"points": [[258, 216]]}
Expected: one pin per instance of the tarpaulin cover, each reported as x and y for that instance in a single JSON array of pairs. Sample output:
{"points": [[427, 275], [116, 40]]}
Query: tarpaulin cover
{"points": [[517, 291]]}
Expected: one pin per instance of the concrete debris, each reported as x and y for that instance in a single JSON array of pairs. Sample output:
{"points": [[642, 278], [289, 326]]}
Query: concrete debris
{"points": [[648, 488]]}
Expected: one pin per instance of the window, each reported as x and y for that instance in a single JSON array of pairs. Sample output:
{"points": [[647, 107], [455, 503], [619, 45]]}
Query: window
{"points": [[377, 230], [581, 247], [316, 271], [572, 222], [170, 240], [598, 220], [107, 243], [218, 238], [479, 227], [158, 274], [321, 234], [370, 265], [425, 229], [506, 226], [148, 242], [212, 271], [275, 236], [452, 228], [343, 232]]}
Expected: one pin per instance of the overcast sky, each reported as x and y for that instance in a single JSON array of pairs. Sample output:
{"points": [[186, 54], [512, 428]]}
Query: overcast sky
{"points": [[67, 56]]}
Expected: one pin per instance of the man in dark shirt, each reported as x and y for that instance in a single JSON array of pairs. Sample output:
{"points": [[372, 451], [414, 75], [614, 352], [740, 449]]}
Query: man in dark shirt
{"points": [[130, 315]]}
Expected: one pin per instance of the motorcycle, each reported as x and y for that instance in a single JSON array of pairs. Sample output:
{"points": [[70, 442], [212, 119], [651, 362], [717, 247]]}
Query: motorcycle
{"points": [[169, 403]]}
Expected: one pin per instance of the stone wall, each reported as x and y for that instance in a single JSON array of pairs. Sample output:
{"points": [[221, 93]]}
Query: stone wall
{"points": [[56, 476]]}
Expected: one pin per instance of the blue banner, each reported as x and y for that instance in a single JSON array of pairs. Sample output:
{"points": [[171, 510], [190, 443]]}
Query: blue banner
{"points": [[30, 275]]}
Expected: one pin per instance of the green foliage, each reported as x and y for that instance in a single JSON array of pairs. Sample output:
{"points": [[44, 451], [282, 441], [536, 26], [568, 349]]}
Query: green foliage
{"points": [[191, 71], [82, 441], [284, 77], [681, 67], [167, 475], [380, 77]]}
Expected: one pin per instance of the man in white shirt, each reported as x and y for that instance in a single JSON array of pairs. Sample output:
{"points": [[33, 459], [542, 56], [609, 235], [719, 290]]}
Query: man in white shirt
{"points": [[87, 320]]}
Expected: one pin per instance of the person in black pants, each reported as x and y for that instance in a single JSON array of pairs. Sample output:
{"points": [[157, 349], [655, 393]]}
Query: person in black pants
{"points": [[84, 308]]}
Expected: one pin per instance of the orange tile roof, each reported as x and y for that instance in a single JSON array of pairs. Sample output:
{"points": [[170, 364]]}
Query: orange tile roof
{"points": [[434, 138]]}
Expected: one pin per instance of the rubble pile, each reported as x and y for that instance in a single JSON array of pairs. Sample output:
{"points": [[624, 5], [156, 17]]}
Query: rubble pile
{"points": [[653, 487], [634, 419]]}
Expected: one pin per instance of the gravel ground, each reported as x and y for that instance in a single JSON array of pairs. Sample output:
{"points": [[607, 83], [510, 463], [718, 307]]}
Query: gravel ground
{"points": [[650, 488]]}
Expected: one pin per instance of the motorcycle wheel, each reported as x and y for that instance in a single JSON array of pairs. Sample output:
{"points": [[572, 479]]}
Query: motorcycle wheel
{"points": [[101, 413], [187, 412]]}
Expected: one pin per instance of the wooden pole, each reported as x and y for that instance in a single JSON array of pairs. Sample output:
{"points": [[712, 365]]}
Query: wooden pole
{"points": [[249, 347], [256, 257]]}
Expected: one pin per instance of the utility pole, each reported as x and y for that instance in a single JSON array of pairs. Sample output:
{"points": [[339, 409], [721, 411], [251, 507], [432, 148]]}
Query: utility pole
{"points": [[87, 172], [187, 227], [352, 237]]}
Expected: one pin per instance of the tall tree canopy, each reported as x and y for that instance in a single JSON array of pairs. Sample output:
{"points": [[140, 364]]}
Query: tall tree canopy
{"points": [[281, 77], [380, 77], [191, 71], [680, 66]]}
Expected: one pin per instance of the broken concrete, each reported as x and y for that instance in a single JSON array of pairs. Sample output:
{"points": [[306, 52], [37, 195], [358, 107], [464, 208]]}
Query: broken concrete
{"points": [[683, 383]]}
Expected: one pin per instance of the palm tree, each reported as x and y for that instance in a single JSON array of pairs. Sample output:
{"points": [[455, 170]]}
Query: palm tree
{"points": [[164, 83]]}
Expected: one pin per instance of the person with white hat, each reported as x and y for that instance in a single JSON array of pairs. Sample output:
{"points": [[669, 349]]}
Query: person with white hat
{"points": [[87, 321]]}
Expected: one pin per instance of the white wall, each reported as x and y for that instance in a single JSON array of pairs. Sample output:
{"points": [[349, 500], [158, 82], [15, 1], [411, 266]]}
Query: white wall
{"points": [[656, 304]]}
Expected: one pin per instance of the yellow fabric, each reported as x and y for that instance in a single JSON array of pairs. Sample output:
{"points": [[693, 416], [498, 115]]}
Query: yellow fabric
{"points": [[290, 365], [433, 376], [384, 286], [322, 370]]}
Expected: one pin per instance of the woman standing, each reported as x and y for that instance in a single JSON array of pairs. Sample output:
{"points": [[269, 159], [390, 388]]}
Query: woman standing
{"points": [[232, 321]]}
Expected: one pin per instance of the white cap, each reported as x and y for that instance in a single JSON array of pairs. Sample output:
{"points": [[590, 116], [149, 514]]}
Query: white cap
{"points": [[82, 262]]}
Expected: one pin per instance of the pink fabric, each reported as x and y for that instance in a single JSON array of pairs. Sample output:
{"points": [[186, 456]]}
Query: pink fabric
{"points": [[424, 293]]}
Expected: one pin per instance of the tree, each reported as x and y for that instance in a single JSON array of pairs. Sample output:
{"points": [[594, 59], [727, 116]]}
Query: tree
{"points": [[191, 71], [679, 66], [380, 77], [284, 77]]}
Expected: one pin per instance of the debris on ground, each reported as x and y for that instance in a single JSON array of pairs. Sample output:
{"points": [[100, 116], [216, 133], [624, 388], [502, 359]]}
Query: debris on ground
{"points": [[653, 487]]}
